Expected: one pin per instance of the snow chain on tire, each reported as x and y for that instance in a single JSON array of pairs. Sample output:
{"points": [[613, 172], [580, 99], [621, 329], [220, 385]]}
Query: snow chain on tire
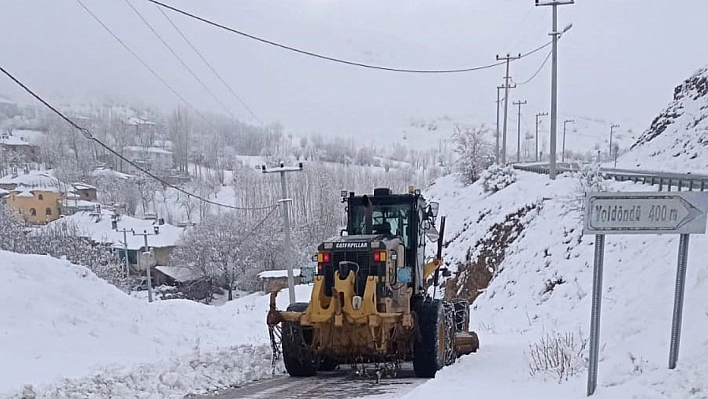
{"points": [[450, 354], [276, 338], [462, 314]]}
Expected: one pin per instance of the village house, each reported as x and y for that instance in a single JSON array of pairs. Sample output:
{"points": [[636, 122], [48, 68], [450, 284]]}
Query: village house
{"points": [[150, 158], [35, 196], [85, 192], [81, 197], [28, 151], [103, 226]]}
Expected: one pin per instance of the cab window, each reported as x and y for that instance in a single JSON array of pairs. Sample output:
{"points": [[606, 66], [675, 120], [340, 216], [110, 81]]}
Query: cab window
{"points": [[385, 219]]}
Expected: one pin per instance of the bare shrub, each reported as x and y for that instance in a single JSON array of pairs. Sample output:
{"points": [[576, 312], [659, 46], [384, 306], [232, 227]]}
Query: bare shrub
{"points": [[589, 180], [496, 177], [560, 355]]}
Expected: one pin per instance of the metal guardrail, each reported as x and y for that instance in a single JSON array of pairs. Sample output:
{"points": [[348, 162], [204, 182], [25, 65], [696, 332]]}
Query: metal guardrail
{"points": [[665, 180]]}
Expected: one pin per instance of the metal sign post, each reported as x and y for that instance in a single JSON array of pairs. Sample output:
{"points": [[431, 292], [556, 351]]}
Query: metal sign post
{"points": [[681, 213], [678, 300], [595, 313]]}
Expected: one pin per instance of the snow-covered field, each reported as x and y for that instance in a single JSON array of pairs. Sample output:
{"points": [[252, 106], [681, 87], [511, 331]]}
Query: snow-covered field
{"points": [[65, 332]]}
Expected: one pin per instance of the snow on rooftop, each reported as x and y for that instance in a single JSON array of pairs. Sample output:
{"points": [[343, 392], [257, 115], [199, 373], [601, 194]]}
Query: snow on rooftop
{"points": [[151, 150], [25, 194], [108, 172], [29, 135], [277, 273], [166, 144], [14, 141], [34, 179], [83, 186], [78, 203], [102, 231], [180, 273], [133, 120], [251, 160]]}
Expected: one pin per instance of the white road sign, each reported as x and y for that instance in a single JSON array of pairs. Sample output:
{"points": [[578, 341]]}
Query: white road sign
{"points": [[646, 213]]}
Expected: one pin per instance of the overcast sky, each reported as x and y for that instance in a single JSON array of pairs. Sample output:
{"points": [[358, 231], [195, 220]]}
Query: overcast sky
{"points": [[619, 62]]}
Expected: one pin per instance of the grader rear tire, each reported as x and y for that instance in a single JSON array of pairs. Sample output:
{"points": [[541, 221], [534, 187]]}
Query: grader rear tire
{"points": [[429, 347], [298, 357]]}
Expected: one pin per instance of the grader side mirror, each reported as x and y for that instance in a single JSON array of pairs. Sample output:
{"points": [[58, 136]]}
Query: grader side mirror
{"points": [[430, 231], [433, 209]]}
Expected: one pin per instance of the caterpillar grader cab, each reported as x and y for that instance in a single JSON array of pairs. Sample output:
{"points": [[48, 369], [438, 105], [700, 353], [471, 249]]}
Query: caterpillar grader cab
{"points": [[370, 301]]}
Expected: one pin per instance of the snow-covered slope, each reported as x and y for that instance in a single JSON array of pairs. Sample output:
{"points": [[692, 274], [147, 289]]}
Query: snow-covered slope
{"points": [[60, 322], [544, 286], [677, 139]]}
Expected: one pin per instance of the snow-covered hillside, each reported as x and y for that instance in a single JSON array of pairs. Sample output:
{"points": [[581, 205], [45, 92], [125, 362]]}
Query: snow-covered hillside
{"points": [[65, 331], [677, 139], [584, 135], [543, 286]]}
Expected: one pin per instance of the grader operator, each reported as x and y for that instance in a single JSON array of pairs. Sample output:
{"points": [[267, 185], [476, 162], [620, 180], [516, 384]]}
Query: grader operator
{"points": [[370, 301]]}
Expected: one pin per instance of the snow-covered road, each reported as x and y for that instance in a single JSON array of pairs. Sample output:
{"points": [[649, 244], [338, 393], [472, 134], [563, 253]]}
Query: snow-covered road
{"points": [[341, 384]]}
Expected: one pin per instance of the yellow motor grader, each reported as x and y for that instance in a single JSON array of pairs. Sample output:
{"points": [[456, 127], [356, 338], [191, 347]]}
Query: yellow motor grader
{"points": [[370, 301]]}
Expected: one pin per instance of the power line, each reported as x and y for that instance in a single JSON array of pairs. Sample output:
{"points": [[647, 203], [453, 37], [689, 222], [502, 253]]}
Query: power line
{"points": [[150, 69], [134, 54], [88, 135], [537, 71], [147, 66], [181, 61], [256, 227], [240, 100], [330, 58]]}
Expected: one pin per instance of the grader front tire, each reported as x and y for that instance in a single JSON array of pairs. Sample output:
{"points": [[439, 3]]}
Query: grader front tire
{"points": [[298, 357]]}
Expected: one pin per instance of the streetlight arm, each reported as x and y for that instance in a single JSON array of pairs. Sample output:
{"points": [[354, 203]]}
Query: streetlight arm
{"points": [[554, 2]]}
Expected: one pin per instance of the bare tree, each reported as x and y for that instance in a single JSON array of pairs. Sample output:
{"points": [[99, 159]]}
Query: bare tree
{"points": [[473, 150], [146, 187], [180, 126], [221, 249]]}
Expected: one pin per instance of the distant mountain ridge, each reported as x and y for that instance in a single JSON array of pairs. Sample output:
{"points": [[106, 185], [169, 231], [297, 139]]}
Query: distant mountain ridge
{"points": [[677, 139]]}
